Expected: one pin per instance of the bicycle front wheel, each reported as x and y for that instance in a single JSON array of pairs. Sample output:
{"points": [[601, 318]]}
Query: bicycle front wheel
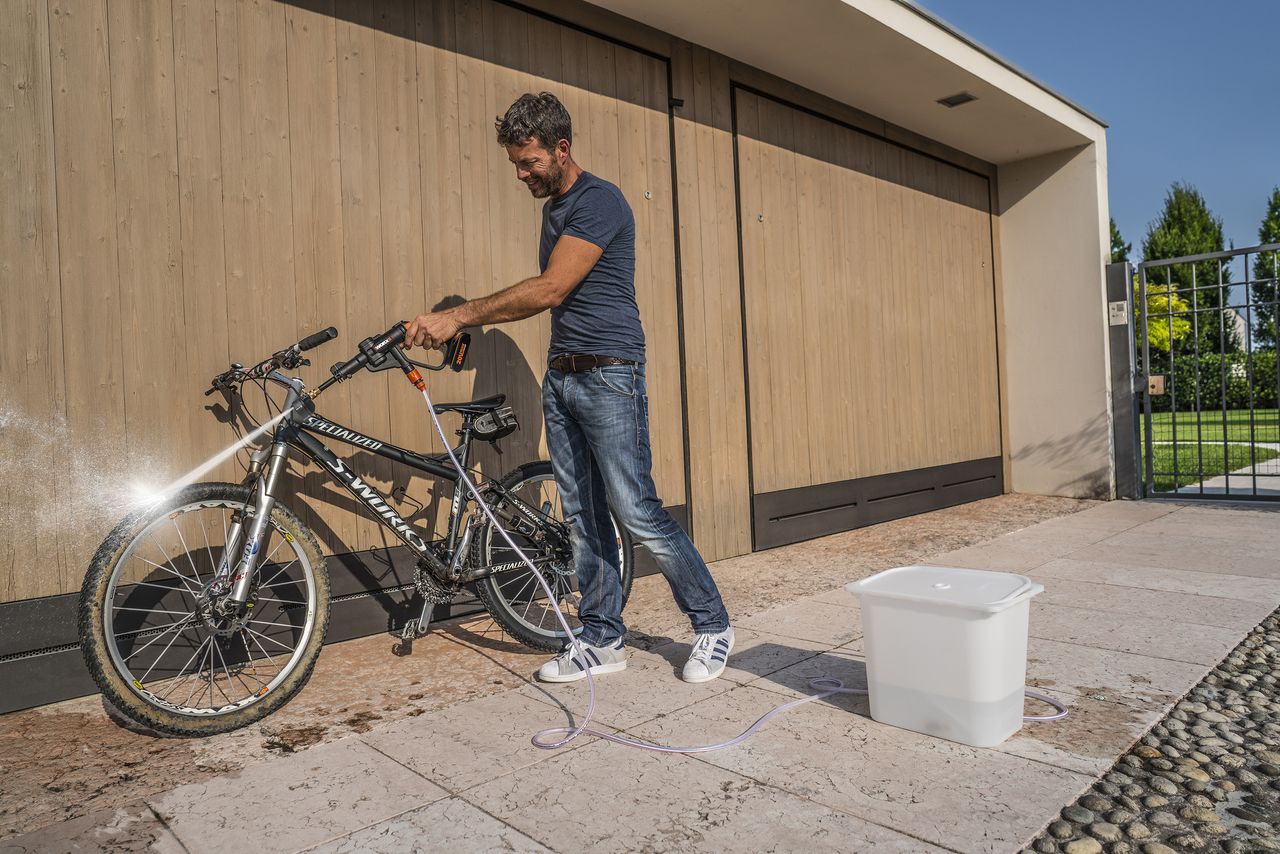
{"points": [[514, 598], [154, 638]]}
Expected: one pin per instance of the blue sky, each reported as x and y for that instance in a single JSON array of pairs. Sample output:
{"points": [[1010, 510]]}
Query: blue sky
{"points": [[1190, 90]]}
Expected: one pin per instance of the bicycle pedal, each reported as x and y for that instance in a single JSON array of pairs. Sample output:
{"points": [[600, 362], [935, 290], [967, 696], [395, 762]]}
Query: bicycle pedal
{"points": [[411, 631]]}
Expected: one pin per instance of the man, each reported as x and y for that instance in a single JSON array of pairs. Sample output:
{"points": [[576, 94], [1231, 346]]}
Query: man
{"points": [[593, 394]]}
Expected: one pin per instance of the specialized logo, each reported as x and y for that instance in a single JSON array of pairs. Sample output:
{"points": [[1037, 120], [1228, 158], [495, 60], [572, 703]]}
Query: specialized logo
{"points": [[371, 497], [342, 433]]}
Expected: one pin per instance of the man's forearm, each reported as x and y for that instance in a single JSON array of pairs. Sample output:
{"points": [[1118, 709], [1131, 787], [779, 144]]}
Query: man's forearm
{"points": [[521, 300]]}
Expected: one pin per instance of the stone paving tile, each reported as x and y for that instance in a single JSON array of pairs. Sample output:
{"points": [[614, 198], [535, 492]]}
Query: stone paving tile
{"points": [[648, 687], [470, 743], [451, 825], [1136, 512], [1215, 523], [1159, 604], [124, 830], [1259, 590], [1055, 542], [1194, 643], [1140, 681], [842, 663], [1155, 556], [838, 596], [965, 798], [754, 654], [811, 620], [998, 556], [294, 801], [1087, 740], [612, 798], [1209, 549]]}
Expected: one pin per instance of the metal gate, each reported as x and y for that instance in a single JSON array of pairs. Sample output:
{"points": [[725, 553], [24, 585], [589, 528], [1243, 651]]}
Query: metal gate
{"points": [[1206, 346]]}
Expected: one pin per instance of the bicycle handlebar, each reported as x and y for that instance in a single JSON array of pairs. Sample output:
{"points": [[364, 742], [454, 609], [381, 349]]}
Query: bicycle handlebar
{"points": [[287, 358], [376, 353], [317, 338]]}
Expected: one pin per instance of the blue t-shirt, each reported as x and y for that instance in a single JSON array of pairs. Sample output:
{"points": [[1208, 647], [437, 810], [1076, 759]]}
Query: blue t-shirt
{"points": [[600, 316]]}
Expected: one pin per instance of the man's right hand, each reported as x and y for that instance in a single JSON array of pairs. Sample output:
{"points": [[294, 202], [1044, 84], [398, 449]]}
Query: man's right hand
{"points": [[433, 330]]}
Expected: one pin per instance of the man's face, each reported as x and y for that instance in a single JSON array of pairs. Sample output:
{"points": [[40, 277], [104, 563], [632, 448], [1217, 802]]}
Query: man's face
{"points": [[542, 171]]}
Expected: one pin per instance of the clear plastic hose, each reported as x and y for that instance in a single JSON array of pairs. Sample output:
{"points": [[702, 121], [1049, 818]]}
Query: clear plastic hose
{"points": [[825, 686]]}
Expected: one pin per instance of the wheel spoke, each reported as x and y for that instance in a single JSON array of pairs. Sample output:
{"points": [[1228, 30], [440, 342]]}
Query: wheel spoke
{"points": [[173, 521], [277, 575], [122, 590], [262, 649], [269, 623], [155, 611], [282, 601], [269, 638], [154, 639], [144, 676], [168, 559], [180, 576]]}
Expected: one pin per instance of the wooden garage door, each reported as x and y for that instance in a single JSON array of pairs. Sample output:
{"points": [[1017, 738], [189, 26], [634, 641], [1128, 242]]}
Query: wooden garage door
{"points": [[191, 182], [870, 326]]}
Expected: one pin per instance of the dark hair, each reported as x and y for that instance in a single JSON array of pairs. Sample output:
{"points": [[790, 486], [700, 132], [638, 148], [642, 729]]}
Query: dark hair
{"points": [[541, 117]]}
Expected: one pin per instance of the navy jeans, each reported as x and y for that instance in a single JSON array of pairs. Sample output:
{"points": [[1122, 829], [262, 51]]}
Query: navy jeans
{"points": [[598, 434]]}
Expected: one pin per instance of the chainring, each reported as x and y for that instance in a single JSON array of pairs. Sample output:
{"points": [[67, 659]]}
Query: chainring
{"points": [[433, 589]]}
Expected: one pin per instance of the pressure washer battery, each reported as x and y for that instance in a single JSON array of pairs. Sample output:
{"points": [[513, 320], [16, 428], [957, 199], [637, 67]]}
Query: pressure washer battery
{"points": [[946, 650]]}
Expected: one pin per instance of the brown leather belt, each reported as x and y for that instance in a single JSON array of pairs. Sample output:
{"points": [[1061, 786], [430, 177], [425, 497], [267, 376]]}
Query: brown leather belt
{"points": [[572, 363]]}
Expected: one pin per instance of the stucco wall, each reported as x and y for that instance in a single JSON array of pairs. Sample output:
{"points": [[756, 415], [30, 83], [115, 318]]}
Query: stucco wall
{"points": [[1053, 245]]}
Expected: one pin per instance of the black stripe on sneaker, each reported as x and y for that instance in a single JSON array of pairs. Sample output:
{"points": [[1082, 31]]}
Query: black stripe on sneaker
{"points": [[591, 652], [579, 663], [722, 643], [717, 657]]}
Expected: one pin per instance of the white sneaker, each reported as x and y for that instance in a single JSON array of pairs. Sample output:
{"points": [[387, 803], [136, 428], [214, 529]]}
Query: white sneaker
{"points": [[568, 666], [709, 656]]}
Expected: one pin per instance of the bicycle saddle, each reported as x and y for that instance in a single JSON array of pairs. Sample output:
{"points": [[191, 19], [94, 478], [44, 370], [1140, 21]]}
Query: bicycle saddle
{"points": [[474, 407]]}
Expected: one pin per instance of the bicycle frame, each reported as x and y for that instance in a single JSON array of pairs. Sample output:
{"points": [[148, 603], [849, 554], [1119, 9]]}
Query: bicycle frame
{"points": [[300, 430]]}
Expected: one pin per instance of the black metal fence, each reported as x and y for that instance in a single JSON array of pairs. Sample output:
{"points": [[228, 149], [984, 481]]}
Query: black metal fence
{"points": [[1206, 347]]}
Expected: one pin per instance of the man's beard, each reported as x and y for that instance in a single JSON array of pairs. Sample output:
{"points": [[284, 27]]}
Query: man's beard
{"points": [[549, 185]]}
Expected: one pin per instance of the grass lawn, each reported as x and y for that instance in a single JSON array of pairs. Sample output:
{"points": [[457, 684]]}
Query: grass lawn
{"points": [[1189, 461], [1266, 426]]}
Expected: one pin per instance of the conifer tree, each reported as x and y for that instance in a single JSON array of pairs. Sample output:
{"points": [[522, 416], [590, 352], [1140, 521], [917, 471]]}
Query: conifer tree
{"points": [[1187, 227], [1266, 267], [1119, 249]]}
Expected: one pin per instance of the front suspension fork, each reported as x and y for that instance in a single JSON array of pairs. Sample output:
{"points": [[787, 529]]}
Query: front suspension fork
{"points": [[264, 502]]}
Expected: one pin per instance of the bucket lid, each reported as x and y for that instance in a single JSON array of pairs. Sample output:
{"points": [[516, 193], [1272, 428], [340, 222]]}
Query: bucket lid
{"points": [[974, 589]]}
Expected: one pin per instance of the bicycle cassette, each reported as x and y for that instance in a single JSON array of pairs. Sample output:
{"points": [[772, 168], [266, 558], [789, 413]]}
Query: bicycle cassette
{"points": [[433, 589]]}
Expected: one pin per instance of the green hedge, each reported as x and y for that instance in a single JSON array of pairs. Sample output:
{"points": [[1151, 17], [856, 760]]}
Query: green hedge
{"points": [[1210, 370]]}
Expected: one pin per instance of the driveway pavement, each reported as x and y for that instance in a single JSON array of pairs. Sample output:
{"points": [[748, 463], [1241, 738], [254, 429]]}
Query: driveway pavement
{"points": [[1141, 599]]}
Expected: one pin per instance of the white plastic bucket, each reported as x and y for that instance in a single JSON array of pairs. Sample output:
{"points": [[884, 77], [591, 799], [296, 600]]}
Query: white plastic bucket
{"points": [[947, 650]]}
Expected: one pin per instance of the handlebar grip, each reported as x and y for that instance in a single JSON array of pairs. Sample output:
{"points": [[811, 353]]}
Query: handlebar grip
{"points": [[317, 338]]}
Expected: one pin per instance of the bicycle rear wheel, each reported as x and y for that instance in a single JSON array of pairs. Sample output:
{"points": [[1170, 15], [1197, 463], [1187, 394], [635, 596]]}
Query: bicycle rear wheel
{"points": [[515, 599], [151, 633]]}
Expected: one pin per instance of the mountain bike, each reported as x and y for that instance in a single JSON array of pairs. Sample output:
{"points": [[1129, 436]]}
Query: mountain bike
{"points": [[205, 610]]}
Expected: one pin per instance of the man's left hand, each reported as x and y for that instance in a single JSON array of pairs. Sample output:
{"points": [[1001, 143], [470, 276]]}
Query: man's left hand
{"points": [[432, 330]]}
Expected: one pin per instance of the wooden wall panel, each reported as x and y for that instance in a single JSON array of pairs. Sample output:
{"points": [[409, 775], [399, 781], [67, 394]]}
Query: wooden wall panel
{"points": [[870, 265], [717, 430], [247, 171], [148, 231], [84, 169], [224, 176], [32, 388]]}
